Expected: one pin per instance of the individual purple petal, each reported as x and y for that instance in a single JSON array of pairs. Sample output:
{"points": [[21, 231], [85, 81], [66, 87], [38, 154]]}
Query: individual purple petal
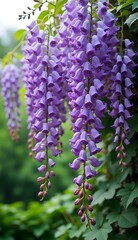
{"points": [[96, 63], [42, 168], [51, 162], [89, 50], [85, 28], [87, 69], [40, 156], [78, 180], [75, 165], [95, 42], [92, 148], [89, 173], [95, 135], [82, 156], [93, 93], [83, 137], [88, 102], [94, 162]]}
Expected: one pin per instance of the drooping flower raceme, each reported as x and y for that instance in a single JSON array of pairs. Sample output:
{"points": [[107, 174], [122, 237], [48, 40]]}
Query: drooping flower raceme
{"points": [[10, 90], [44, 96], [121, 89], [86, 89]]}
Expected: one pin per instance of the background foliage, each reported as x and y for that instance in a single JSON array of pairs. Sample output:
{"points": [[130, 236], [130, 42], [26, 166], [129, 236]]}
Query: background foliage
{"points": [[115, 192]]}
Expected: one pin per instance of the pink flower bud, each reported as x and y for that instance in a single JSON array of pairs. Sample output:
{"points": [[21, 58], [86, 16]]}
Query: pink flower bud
{"points": [[83, 218], [40, 179], [49, 184], [42, 186], [76, 191], [77, 201], [40, 194]]}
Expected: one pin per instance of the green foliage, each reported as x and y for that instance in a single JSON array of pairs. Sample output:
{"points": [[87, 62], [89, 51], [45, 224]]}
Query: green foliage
{"points": [[135, 5], [106, 191], [128, 194], [131, 19], [38, 221], [43, 16], [99, 231], [124, 5], [19, 34], [125, 218]]}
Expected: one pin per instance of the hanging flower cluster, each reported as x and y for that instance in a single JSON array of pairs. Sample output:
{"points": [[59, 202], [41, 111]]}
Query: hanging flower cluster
{"points": [[121, 94], [85, 66], [10, 91], [45, 94]]}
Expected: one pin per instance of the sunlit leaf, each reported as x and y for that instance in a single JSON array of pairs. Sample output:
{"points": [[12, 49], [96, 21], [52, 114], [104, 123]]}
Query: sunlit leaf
{"points": [[43, 16], [20, 34]]}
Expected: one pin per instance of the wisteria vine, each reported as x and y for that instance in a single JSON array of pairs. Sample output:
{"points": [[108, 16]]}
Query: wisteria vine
{"points": [[81, 70]]}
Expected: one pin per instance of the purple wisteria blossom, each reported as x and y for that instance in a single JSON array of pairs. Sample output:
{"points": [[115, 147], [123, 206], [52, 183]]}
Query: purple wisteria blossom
{"points": [[86, 81], [10, 90], [45, 100], [121, 89]]}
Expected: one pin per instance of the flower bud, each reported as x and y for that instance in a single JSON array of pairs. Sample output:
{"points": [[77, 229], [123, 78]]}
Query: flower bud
{"points": [[90, 208], [90, 198], [83, 218], [76, 191], [49, 184], [93, 222], [40, 179], [77, 201], [40, 194]]}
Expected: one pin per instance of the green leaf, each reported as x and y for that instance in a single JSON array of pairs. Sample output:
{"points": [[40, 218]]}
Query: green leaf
{"points": [[135, 5], [119, 1], [43, 16], [37, 5], [125, 13], [62, 230], [74, 232], [128, 219], [99, 232], [105, 192], [133, 123], [131, 151], [20, 34], [128, 194], [39, 230], [59, 6], [113, 217], [131, 19], [126, 4]]}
